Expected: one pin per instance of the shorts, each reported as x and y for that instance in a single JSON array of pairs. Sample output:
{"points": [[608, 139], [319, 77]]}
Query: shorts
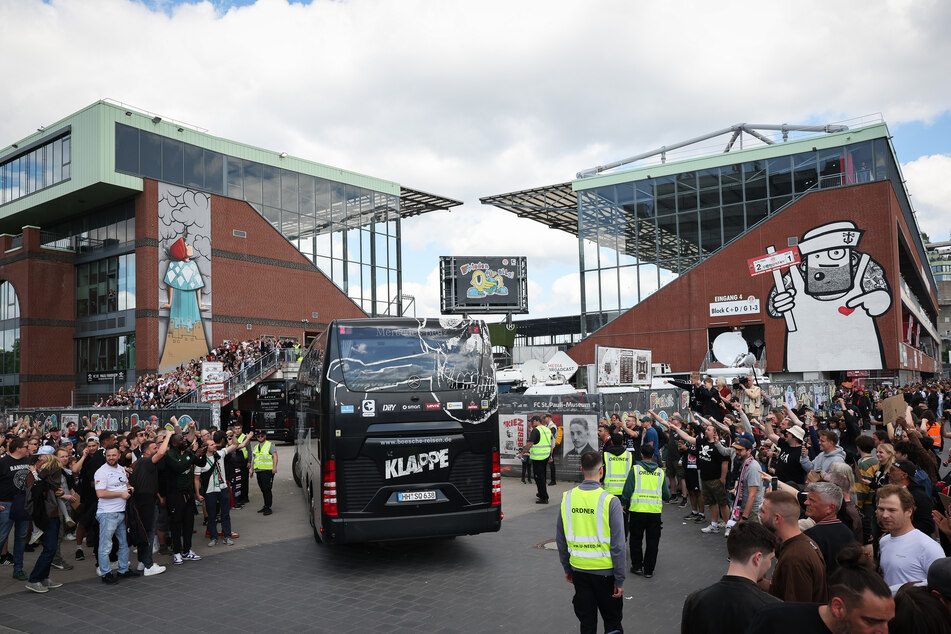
{"points": [[714, 492], [692, 476], [675, 471]]}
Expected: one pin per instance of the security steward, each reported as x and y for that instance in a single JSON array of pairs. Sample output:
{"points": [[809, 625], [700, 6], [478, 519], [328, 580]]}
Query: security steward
{"points": [[644, 495], [617, 464], [264, 463], [538, 449], [590, 538]]}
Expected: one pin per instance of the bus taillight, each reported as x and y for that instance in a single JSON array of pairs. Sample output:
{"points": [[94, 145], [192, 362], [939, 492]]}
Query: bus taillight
{"points": [[329, 488], [496, 479]]}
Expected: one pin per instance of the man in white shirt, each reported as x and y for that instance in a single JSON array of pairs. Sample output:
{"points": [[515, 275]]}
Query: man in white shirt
{"points": [[906, 552], [112, 489], [211, 486]]}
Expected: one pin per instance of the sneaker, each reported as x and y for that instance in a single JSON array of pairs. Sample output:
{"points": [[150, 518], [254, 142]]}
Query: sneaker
{"points": [[648, 575], [227, 541], [62, 564], [35, 537], [713, 528], [19, 575], [79, 554], [70, 523], [49, 583], [6, 560], [212, 543], [111, 578], [141, 567], [154, 569], [238, 507], [234, 535], [691, 516], [177, 559], [674, 499], [637, 571], [69, 537], [37, 586], [726, 533], [721, 524], [264, 508], [191, 556], [683, 503], [700, 519], [268, 511]]}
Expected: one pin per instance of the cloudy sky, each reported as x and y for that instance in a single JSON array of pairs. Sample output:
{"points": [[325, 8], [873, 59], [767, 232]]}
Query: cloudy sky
{"points": [[468, 99]]}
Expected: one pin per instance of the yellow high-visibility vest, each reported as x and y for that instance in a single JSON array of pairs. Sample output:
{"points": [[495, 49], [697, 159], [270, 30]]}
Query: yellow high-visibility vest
{"points": [[542, 450], [615, 471], [648, 490], [263, 460], [586, 519]]}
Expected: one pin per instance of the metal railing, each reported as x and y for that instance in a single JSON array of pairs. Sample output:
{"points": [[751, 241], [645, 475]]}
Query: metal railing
{"points": [[249, 375]]}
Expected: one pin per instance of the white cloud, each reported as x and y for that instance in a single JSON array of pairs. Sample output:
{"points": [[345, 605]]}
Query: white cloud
{"points": [[468, 99], [930, 187]]}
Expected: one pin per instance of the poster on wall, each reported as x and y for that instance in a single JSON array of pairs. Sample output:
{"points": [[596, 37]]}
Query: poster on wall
{"points": [[184, 269], [581, 435], [516, 410], [622, 367], [513, 434], [834, 294]]}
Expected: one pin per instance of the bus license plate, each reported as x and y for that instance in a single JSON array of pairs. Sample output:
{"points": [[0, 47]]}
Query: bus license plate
{"points": [[415, 496]]}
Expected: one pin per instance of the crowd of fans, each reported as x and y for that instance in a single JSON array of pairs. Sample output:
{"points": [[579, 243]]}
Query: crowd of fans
{"points": [[155, 391], [854, 507], [108, 494]]}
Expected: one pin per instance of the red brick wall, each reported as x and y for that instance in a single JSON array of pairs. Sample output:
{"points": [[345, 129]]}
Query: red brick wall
{"points": [[673, 321]]}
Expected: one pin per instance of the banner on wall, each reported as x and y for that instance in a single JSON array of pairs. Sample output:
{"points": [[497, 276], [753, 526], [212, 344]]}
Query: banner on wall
{"points": [[109, 419], [578, 412], [622, 367]]}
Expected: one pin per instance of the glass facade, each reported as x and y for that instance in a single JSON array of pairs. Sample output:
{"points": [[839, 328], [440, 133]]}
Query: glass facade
{"points": [[639, 235], [37, 169], [105, 354], [351, 233], [9, 346], [105, 286]]}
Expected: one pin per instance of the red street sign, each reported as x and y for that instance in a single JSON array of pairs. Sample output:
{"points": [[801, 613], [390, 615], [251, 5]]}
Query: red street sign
{"points": [[774, 261]]}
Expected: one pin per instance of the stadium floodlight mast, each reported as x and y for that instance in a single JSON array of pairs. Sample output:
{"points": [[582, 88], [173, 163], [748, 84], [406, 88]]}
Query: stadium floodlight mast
{"points": [[736, 131]]}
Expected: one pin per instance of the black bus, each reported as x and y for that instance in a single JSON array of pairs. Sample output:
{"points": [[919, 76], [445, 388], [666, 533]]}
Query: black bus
{"points": [[275, 409], [398, 434]]}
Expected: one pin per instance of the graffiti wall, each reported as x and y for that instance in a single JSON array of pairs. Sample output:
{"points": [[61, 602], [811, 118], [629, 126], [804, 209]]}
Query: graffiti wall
{"points": [[832, 296], [117, 420], [184, 218]]}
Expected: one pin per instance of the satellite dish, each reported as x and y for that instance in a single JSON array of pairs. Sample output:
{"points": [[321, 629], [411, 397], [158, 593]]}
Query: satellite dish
{"points": [[562, 365], [534, 372], [729, 347]]}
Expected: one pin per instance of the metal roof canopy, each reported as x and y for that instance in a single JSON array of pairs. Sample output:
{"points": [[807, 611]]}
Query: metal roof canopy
{"points": [[735, 130], [553, 205], [414, 202]]}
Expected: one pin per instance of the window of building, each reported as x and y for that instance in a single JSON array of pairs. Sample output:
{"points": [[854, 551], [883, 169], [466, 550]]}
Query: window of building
{"points": [[35, 169], [105, 354], [9, 345], [105, 286]]}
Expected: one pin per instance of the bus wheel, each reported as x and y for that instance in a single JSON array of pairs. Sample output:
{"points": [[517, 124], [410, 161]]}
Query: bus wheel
{"points": [[295, 470]]}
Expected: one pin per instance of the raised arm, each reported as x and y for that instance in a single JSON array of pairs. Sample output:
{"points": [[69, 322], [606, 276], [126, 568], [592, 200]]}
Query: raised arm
{"points": [[687, 437]]}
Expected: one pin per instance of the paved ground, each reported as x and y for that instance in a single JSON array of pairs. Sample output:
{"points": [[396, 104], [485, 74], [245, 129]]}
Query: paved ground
{"points": [[278, 578]]}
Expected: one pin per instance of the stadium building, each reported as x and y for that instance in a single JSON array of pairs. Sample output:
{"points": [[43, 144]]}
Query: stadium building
{"points": [[805, 244], [132, 243]]}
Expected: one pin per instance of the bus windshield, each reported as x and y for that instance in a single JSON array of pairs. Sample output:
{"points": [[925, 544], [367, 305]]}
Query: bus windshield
{"points": [[425, 358]]}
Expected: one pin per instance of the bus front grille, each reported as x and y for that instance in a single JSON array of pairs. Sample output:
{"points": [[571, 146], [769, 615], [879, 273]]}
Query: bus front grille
{"points": [[360, 480]]}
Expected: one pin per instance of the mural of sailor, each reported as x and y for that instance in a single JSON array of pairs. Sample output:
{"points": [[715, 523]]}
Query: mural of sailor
{"points": [[184, 256], [834, 296]]}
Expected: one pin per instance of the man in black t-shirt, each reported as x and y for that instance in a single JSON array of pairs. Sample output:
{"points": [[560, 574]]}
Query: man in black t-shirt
{"points": [[713, 467], [14, 467], [145, 482], [787, 466]]}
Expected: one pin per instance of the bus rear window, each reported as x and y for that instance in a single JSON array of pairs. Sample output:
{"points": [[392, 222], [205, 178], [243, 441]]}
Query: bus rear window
{"points": [[423, 359]]}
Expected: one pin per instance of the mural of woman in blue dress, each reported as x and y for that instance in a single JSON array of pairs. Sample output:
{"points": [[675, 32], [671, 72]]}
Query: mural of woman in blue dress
{"points": [[185, 338]]}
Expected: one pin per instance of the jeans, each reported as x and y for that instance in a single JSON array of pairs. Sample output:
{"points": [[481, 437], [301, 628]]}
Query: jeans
{"points": [[19, 534], [41, 570], [112, 524], [213, 501]]}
